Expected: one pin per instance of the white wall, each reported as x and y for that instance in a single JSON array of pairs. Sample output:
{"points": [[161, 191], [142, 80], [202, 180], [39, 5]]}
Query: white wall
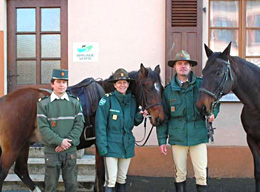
{"points": [[128, 32]]}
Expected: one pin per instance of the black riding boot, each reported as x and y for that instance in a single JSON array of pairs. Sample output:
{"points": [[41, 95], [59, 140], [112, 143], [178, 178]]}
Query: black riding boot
{"points": [[180, 187], [202, 188], [109, 189], [120, 187]]}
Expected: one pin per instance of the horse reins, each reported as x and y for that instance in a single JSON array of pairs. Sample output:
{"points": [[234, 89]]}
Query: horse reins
{"points": [[145, 106]]}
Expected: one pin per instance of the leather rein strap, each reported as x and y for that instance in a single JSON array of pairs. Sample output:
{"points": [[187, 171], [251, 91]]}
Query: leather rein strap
{"points": [[227, 75], [145, 106]]}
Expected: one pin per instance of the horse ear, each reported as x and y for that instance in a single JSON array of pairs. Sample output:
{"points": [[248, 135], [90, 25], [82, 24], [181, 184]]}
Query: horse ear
{"points": [[157, 69], [143, 70], [208, 50], [227, 50]]}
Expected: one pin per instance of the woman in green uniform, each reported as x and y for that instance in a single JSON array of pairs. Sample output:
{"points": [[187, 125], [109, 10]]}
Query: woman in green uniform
{"points": [[116, 116]]}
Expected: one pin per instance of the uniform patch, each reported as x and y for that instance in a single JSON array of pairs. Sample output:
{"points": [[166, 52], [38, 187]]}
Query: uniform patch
{"points": [[102, 102], [172, 108], [53, 124], [114, 117]]}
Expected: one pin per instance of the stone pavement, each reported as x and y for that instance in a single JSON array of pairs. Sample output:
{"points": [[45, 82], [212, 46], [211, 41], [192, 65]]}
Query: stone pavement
{"points": [[155, 184], [166, 184]]}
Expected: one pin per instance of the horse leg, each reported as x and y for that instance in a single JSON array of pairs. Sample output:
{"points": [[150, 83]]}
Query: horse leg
{"points": [[3, 170], [100, 173], [255, 149], [21, 169]]}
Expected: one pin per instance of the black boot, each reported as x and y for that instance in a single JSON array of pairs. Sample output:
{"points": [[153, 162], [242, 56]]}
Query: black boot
{"points": [[109, 189], [180, 187], [202, 188], [120, 187]]}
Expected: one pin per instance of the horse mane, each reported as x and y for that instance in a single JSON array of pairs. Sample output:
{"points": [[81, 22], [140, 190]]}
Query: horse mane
{"points": [[246, 65]]}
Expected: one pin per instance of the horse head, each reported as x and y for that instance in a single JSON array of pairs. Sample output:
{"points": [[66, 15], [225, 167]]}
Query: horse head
{"points": [[217, 79], [148, 90]]}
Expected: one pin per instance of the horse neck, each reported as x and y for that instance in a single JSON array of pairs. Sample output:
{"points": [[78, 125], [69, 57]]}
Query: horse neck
{"points": [[246, 78]]}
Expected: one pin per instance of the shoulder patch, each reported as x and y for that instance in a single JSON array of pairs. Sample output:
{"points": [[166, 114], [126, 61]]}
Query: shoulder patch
{"points": [[102, 101], [43, 98]]}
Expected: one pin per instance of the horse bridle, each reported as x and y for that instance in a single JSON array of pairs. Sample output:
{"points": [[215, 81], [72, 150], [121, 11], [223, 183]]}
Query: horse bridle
{"points": [[145, 106], [143, 98], [222, 85]]}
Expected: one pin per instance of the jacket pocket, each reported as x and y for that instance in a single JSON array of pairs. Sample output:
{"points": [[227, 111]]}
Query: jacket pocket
{"points": [[176, 108], [115, 144], [51, 160], [115, 122]]}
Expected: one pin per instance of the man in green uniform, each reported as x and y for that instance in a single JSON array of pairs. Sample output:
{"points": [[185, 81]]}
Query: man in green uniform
{"points": [[184, 126], [60, 122]]}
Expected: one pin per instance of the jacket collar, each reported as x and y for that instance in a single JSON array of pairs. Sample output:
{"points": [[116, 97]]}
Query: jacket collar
{"points": [[175, 85], [63, 97]]}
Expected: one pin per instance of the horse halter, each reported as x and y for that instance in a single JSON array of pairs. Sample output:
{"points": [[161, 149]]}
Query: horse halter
{"points": [[143, 98], [222, 85]]}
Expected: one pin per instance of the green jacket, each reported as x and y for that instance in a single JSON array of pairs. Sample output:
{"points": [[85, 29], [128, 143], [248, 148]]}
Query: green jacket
{"points": [[116, 116], [59, 119], [183, 124]]}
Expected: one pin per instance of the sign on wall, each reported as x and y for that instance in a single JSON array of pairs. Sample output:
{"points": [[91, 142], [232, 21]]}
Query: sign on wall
{"points": [[85, 52]]}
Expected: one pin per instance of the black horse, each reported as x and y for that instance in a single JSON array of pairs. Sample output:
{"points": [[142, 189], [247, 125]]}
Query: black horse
{"points": [[224, 73]]}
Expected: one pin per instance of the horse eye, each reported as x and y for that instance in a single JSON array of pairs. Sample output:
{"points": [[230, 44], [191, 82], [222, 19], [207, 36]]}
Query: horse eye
{"points": [[219, 73]]}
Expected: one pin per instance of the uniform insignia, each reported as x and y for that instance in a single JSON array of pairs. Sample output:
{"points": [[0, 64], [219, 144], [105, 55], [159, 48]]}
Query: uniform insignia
{"points": [[122, 74], [43, 98], [107, 94], [172, 108], [102, 102], [53, 124], [114, 117], [72, 157], [62, 74]]}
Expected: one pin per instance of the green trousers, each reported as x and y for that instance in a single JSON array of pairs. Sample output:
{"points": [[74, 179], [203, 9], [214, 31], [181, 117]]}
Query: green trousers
{"points": [[65, 162]]}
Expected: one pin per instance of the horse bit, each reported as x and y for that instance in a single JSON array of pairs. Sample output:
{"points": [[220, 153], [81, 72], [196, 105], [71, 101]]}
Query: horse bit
{"points": [[217, 97]]}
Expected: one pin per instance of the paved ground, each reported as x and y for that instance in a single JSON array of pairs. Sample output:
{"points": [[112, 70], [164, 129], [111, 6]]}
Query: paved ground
{"points": [[148, 184], [155, 184]]}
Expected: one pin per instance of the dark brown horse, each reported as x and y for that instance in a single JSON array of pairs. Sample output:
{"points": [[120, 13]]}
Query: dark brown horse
{"points": [[224, 73], [147, 89], [17, 132]]}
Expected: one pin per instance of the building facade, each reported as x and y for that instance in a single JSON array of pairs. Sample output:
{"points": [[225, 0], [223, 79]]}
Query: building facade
{"points": [[94, 38]]}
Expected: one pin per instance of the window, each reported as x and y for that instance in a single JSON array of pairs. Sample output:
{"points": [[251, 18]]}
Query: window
{"points": [[237, 21], [37, 33]]}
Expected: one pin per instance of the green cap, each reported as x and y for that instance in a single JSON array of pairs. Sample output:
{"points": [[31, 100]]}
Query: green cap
{"points": [[60, 74], [121, 74], [182, 56]]}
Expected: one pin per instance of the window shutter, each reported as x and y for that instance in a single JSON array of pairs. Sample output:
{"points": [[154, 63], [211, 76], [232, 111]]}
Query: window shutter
{"points": [[184, 13]]}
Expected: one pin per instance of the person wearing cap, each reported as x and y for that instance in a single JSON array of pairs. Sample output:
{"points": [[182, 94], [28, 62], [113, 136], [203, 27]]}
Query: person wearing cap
{"points": [[60, 122], [184, 127], [116, 116]]}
